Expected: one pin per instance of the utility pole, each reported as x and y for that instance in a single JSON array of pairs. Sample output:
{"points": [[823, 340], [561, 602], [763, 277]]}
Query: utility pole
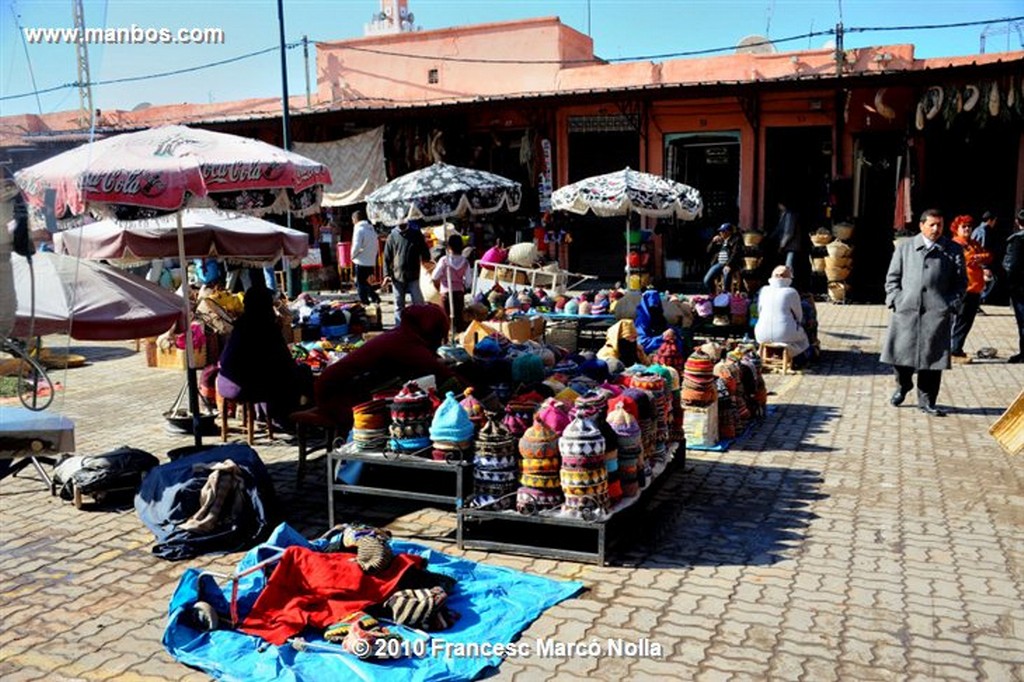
{"points": [[305, 54], [85, 108], [285, 118], [840, 104]]}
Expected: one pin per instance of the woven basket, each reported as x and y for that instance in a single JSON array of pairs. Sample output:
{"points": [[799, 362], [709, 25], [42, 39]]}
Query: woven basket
{"points": [[838, 261], [843, 231], [818, 265], [836, 274], [752, 238], [1008, 430], [839, 249], [821, 237], [837, 291], [751, 263]]}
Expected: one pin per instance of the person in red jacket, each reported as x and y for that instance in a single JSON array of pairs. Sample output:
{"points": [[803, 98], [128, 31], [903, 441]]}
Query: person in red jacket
{"points": [[408, 351], [976, 257]]}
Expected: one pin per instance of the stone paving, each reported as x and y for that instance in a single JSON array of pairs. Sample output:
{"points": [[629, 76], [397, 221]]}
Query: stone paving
{"points": [[843, 540]]}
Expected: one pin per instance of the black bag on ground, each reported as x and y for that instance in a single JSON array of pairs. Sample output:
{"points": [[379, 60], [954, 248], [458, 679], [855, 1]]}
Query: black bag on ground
{"points": [[120, 469]]}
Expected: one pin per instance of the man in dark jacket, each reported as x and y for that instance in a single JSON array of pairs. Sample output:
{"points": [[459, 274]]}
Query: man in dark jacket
{"points": [[727, 250], [925, 284], [1013, 267], [404, 250]]}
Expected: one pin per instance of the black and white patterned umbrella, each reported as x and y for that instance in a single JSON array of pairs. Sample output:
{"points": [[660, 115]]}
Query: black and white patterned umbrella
{"points": [[626, 191], [442, 191]]}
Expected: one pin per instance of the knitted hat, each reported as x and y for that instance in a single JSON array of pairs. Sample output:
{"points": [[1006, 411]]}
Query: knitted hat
{"points": [[699, 366], [474, 408], [585, 307], [668, 353], [527, 368], [595, 369], [626, 402], [494, 439], [451, 423], [581, 438], [554, 415], [539, 441], [572, 307]]}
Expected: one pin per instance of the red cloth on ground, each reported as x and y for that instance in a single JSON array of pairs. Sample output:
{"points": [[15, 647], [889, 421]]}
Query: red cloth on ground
{"points": [[316, 589]]}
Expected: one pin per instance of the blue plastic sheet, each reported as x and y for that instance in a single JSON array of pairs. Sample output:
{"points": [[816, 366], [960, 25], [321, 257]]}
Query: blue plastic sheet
{"points": [[495, 605]]}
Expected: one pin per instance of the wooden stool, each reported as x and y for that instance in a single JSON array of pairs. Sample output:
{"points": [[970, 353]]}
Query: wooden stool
{"points": [[248, 419], [775, 358]]}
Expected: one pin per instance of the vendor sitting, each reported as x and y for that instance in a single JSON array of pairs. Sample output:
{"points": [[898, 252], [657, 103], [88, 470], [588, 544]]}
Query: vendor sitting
{"points": [[651, 323], [780, 315], [256, 365], [622, 345], [727, 250], [408, 351]]}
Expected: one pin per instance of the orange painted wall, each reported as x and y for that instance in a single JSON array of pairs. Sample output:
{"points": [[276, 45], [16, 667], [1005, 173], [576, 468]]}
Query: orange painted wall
{"points": [[356, 69]]}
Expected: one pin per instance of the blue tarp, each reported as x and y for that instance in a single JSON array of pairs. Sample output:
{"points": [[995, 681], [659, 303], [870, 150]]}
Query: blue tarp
{"points": [[495, 605]]}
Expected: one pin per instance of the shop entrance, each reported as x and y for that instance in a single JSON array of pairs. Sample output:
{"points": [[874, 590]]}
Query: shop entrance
{"points": [[709, 162], [598, 147], [798, 165]]}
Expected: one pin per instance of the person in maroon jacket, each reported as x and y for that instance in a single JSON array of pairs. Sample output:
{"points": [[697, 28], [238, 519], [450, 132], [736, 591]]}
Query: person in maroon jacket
{"points": [[406, 352]]}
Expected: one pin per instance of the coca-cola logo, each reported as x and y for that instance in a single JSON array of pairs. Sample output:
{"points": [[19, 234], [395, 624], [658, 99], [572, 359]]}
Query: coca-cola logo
{"points": [[127, 183], [242, 172]]}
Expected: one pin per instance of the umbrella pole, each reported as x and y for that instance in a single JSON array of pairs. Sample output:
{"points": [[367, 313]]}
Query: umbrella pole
{"points": [[627, 253], [190, 358]]}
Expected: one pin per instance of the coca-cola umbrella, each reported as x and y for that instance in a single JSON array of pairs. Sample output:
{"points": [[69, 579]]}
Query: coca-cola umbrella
{"points": [[88, 301], [628, 191], [233, 237], [153, 172]]}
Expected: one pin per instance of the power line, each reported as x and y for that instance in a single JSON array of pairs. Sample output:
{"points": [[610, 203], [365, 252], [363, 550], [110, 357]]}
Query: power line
{"points": [[651, 57]]}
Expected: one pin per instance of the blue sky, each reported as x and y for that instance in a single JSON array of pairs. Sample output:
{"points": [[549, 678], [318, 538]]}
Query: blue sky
{"points": [[620, 28]]}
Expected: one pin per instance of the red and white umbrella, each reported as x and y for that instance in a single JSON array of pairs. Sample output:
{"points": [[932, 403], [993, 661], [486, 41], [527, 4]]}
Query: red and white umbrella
{"points": [[161, 170], [233, 237], [170, 168]]}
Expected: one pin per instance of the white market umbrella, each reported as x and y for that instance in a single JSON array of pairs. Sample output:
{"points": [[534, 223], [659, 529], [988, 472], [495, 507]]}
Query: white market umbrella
{"points": [[442, 191], [628, 191]]}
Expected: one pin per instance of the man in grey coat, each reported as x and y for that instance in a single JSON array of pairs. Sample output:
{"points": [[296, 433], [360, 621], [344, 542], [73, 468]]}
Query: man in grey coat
{"points": [[925, 284]]}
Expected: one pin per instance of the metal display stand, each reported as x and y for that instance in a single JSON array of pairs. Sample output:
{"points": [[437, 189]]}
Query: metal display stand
{"points": [[480, 528], [457, 469]]}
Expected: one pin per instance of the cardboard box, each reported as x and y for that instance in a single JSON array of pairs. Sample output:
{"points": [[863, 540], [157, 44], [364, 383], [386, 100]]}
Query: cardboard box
{"points": [[523, 329], [700, 424], [175, 358]]}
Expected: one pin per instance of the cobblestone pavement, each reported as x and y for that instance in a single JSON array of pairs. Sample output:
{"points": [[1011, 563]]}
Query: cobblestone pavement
{"points": [[844, 539]]}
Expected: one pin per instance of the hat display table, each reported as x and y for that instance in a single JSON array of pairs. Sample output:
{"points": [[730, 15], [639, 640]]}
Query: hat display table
{"points": [[454, 469], [552, 533]]}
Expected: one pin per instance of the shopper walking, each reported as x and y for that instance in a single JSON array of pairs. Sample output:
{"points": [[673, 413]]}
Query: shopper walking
{"points": [[976, 258], [364, 257], [925, 283], [1013, 266], [404, 251]]}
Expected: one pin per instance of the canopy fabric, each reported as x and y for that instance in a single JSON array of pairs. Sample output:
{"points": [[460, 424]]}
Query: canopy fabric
{"points": [[89, 301], [208, 234], [356, 164], [625, 191], [169, 168], [495, 605], [442, 191]]}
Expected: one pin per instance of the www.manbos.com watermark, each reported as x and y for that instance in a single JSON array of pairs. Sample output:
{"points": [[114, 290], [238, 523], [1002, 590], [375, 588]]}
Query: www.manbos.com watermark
{"points": [[126, 35]]}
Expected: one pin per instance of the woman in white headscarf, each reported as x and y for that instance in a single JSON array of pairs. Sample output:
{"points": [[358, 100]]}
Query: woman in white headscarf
{"points": [[779, 315]]}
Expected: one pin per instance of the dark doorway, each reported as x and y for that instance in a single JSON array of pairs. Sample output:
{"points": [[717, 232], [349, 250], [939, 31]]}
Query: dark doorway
{"points": [[710, 162], [798, 165], [599, 244], [876, 158]]}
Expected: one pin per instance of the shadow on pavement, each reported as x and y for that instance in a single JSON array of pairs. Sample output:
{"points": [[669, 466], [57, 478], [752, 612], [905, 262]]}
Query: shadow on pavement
{"points": [[96, 353], [790, 427], [726, 514], [852, 362]]}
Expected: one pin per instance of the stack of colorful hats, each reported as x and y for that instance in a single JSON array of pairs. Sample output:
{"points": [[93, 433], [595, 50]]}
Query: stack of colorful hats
{"points": [[728, 374], [451, 431], [583, 474], [627, 432], [647, 419], [593, 406], [555, 414], [668, 353], [519, 413], [540, 486], [699, 380], [411, 413], [675, 428], [495, 468], [370, 426], [655, 385], [474, 409]]}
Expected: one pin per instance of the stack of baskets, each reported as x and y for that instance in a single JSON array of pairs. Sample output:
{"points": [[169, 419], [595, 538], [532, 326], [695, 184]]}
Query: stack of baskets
{"points": [[819, 240], [752, 254], [839, 262]]}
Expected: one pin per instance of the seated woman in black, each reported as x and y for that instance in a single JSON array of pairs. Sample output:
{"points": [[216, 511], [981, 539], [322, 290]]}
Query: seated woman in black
{"points": [[256, 365]]}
